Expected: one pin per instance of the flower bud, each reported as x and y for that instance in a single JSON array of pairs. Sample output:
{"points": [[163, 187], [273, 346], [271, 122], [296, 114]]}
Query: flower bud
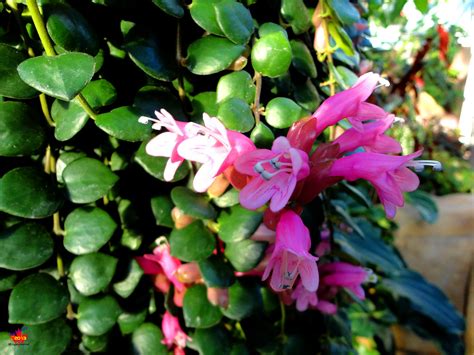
{"points": [[188, 273], [218, 296], [180, 219], [218, 187]]}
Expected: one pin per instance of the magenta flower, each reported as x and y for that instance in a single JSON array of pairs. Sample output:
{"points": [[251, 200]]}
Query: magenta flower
{"points": [[371, 137], [291, 256], [345, 275], [350, 104], [173, 334], [275, 173], [389, 175], [304, 298]]}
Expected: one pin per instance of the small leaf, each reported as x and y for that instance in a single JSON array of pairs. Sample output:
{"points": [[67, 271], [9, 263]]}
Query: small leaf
{"points": [[269, 27], [161, 207], [20, 131], [228, 199], [302, 59], [424, 204], [237, 84], [422, 6], [341, 38], [236, 115], [192, 204], [55, 337], [203, 13], [87, 180], [344, 11], [37, 299], [238, 224], [307, 96], [64, 160], [271, 55], [198, 312], [212, 54], [32, 239], [95, 343], [262, 136], [126, 286], [8, 280], [205, 102], [147, 339], [92, 273], [128, 322], [192, 243], [96, 316], [27, 192], [297, 15], [171, 7], [244, 300], [213, 340], [87, 230], [245, 254], [235, 21], [62, 76], [122, 123], [282, 112], [216, 272]]}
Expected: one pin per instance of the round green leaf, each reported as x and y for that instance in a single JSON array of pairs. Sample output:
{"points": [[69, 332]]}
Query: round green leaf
{"points": [[20, 131], [244, 299], [205, 102], [96, 316], [87, 180], [171, 7], [32, 239], [128, 322], [216, 272], [212, 341], [155, 166], [7, 280], [64, 160], [235, 114], [307, 96], [192, 243], [11, 84], [271, 55], [341, 38], [70, 30], [238, 223], [87, 229], [282, 112], [161, 207], [262, 136], [146, 340], [237, 84], [228, 199], [302, 59], [203, 13], [245, 254], [345, 11], [127, 285], [62, 76], [96, 343], [50, 338], [198, 312], [37, 299], [152, 98], [269, 27], [296, 13], [212, 54], [92, 273], [192, 203], [29, 193], [235, 20], [122, 123]]}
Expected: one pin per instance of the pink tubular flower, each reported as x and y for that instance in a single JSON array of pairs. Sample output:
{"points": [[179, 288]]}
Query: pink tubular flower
{"points": [[389, 175], [371, 138], [350, 104], [291, 256], [275, 173], [173, 334], [341, 274], [304, 298]]}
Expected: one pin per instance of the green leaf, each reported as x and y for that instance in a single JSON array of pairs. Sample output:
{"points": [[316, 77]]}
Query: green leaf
{"points": [[244, 300], [307, 96], [152, 98], [122, 123], [95, 343], [271, 55], [236, 115], [282, 112], [11, 84], [297, 15], [211, 341], [64, 160], [422, 6], [426, 299], [62, 76], [198, 312], [155, 166], [70, 30], [216, 272], [161, 207], [128, 322], [245, 254], [27, 192], [228, 199], [341, 38], [171, 7], [37, 299], [126, 286], [20, 131], [92, 273], [203, 13], [87, 180], [212, 54], [302, 59], [237, 84], [96, 316], [7, 280], [55, 337], [238, 223], [192, 204], [424, 204], [146, 340], [192, 243], [205, 102], [87, 229], [346, 77], [34, 242], [262, 136], [344, 11], [269, 27], [235, 21]]}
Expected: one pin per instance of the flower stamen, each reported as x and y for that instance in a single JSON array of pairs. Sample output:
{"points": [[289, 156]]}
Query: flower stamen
{"points": [[419, 165]]}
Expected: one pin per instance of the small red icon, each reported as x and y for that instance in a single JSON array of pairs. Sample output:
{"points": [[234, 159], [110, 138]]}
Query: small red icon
{"points": [[18, 337]]}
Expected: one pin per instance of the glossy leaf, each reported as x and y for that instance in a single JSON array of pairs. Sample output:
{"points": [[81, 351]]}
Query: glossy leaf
{"points": [[122, 123], [198, 312], [8, 280], [282, 112], [244, 300], [238, 223], [147, 339], [235, 21], [34, 242], [161, 207], [269, 28], [236, 115], [302, 59], [128, 322], [296, 13], [171, 7], [127, 285], [192, 204], [55, 337], [95, 343], [92, 273], [271, 55], [238, 84], [341, 38], [344, 11], [96, 316], [262, 136], [203, 13], [245, 254], [205, 102], [216, 272], [192, 243], [211, 341], [424, 204], [307, 96]]}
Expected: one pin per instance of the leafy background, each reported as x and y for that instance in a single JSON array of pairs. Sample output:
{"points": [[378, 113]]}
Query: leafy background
{"points": [[80, 199]]}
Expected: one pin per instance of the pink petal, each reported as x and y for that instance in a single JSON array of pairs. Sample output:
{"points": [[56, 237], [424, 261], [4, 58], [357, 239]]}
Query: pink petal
{"points": [[406, 179], [281, 145], [245, 163], [326, 307], [256, 193], [283, 185], [309, 275], [149, 267], [162, 145], [384, 144], [170, 169], [358, 291]]}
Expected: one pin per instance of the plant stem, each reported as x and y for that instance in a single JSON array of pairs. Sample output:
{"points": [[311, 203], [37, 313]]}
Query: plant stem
{"points": [[179, 60], [45, 109], [258, 89], [283, 319], [85, 106]]}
